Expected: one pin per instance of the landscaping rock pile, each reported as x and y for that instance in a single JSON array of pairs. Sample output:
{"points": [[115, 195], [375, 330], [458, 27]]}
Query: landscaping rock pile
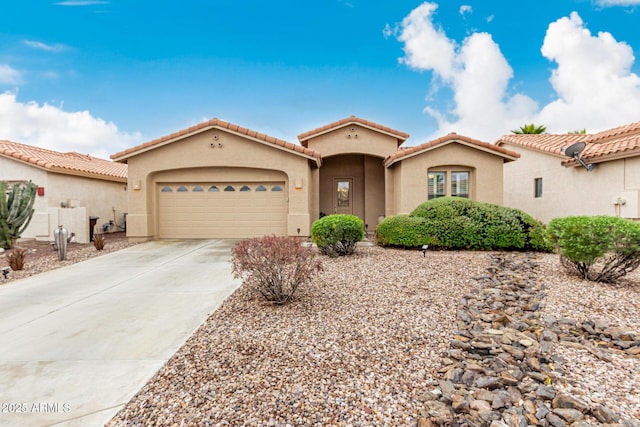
{"points": [[501, 369]]}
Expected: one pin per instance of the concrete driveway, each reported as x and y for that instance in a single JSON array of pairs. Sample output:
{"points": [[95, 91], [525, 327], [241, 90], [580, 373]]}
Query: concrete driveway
{"points": [[78, 342]]}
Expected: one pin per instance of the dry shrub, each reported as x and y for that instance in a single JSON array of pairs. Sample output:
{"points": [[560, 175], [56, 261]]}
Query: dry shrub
{"points": [[16, 258], [274, 266], [99, 241]]}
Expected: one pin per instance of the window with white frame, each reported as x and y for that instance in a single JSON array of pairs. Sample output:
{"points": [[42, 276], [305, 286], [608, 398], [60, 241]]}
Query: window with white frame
{"points": [[436, 184], [460, 184]]}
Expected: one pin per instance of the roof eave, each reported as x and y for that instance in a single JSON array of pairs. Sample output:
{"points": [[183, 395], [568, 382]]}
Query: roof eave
{"points": [[123, 158], [507, 158]]}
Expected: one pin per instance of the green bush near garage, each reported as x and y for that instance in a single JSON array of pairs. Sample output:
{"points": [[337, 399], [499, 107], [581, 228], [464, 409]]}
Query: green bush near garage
{"points": [[457, 223], [597, 248], [338, 234]]}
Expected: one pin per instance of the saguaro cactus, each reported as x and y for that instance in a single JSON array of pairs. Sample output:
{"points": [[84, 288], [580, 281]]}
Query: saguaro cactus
{"points": [[16, 210]]}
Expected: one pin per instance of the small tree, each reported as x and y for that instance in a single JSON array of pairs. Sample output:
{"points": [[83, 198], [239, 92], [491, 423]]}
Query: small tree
{"points": [[597, 248], [274, 266], [16, 210], [530, 129]]}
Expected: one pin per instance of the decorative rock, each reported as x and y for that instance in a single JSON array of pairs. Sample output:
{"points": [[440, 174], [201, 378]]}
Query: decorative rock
{"points": [[569, 402], [555, 420], [569, 415], [437, 409], [546, 392], [604, 414]]}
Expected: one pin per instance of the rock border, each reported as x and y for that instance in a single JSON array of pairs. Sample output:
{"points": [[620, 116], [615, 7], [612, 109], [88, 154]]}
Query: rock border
{"points": [[500, 369]]}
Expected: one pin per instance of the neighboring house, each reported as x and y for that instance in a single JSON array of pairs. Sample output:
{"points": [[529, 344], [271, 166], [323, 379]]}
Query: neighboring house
{"points": [[217, 179], [547, 184], [71, 188]]}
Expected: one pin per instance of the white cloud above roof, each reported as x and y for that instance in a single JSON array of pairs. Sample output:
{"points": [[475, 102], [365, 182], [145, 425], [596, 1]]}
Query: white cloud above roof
{"points": [[51, 127], [593, 81], [44, 46], [9, 75]]}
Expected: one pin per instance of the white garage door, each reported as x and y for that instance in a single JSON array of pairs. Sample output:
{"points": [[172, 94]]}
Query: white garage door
{"points": [[221, 209]]}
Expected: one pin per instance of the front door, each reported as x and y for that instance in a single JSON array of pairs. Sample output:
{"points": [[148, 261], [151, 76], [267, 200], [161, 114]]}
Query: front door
{"points": [[343, 196]]}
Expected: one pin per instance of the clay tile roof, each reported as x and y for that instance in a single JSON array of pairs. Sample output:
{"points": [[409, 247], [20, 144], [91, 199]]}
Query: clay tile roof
{"points": [[550, 143], [304, 137], [65, 163], [449, 138], [215, 122], [619, 142]]}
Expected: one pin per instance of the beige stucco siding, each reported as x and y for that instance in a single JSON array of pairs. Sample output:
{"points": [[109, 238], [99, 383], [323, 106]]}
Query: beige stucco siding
{"points": [[354, 139], [96, 198], [215, 155], [573, 190], [410, 178]]}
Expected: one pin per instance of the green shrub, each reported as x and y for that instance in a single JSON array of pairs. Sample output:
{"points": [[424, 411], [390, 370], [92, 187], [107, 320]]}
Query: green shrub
{"points": [[338, 234], [457, 223], [597, 248], [274, 266]]}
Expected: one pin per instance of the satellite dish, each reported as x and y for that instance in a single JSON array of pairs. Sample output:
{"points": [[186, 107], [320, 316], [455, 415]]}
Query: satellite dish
{"points": [[574, 149]]}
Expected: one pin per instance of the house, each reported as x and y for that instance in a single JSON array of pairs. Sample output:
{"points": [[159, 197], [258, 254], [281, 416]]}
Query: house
{"points": [[601, 178], [72, 187], [217, 179]]}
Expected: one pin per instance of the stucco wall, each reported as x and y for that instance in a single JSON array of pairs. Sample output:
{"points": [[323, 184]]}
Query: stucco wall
{"points": [[104, 199], [202, 152], [410, 175], [570, 191], [98, 197], [354, 139]]}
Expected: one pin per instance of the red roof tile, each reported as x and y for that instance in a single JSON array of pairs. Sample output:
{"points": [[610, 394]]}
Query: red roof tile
{"points": [[304, 137], [65, 163], [217, 123], [451, 137], [619, 142]]}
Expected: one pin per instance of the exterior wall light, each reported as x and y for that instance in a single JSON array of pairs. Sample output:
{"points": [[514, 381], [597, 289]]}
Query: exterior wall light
{"points": [[424, 250]]}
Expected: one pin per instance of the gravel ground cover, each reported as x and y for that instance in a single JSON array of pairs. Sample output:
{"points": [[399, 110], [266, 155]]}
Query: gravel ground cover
{"points": [[362, 346]]}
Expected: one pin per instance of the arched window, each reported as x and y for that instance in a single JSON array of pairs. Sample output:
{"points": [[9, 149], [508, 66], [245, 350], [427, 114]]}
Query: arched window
{"points": [[245, 188], [166, 189], [198, 189], [182, 189], [277, 188], [213, 188], [229, 188], [261, 188]]}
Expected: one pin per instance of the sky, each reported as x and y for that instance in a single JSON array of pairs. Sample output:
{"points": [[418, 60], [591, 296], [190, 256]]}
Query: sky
{"points": [[101, 76]]}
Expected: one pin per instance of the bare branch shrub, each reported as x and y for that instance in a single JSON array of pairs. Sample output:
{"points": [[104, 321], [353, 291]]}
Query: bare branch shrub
{"points": [[16, 258], [274, 266]]}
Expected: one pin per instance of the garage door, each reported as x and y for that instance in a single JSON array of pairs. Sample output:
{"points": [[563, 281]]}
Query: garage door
{"points": [[221, 209]]}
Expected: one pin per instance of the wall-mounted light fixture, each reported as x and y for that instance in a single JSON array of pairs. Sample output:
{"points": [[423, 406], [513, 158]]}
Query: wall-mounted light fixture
{"points": [[41, 191], [137, 185]]}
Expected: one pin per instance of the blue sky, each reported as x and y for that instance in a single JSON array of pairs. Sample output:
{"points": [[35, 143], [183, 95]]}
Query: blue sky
{"points": [[101, 76]]}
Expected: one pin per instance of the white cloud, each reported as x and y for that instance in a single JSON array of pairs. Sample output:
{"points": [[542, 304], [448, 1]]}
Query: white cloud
{"points": [[594, 85], [426, 47], [476, 71], [465, 8], [43, 46], [51, 127], [593, 80], [611, 3], [9, 75]]}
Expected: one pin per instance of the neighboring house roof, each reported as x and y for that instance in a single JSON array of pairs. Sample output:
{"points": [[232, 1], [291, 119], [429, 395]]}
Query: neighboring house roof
{"points": [[619, 142], [305, 137], [220, 124], [407, 152], [64, 163]]}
